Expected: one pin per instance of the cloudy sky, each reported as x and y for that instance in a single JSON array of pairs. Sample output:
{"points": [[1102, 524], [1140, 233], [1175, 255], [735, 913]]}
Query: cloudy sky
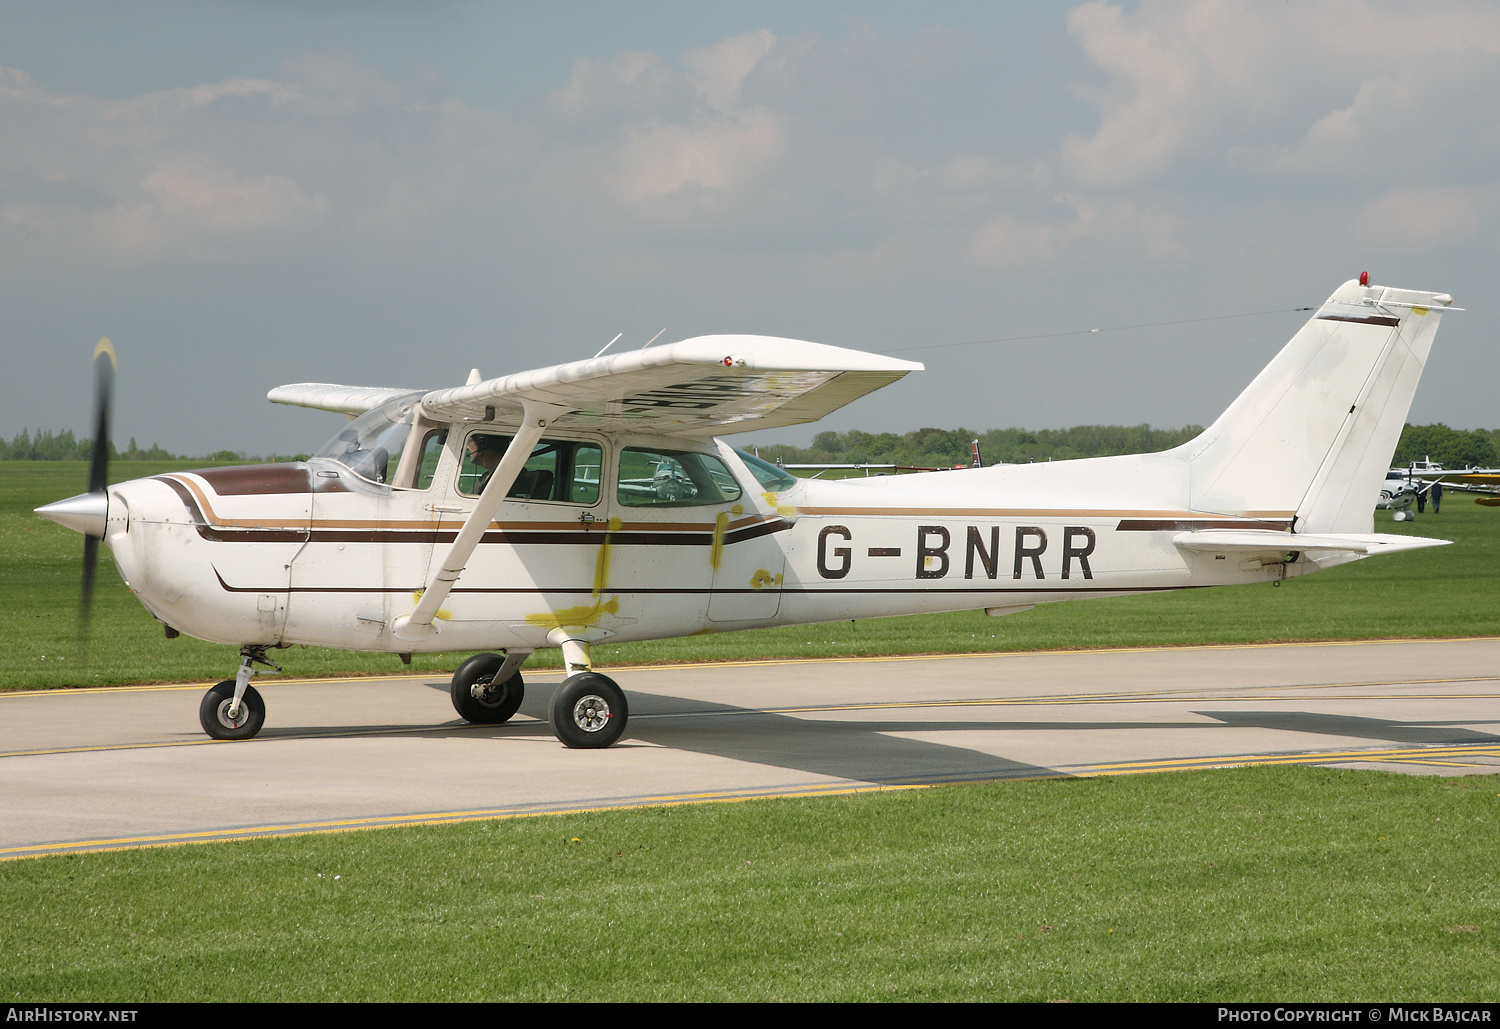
{"points": [[251, 193]]}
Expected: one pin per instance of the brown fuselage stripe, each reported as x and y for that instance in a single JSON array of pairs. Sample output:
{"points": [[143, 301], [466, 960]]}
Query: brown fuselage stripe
{"points": [[1179, 524], [509, 537], [1009, 513], [265, 479], [245, 530], [659, 591]]}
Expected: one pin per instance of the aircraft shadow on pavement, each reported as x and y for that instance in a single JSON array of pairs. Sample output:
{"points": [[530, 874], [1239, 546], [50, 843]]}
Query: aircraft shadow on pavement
{"points": [[863, 750], [1355, 726], [825, 744]]}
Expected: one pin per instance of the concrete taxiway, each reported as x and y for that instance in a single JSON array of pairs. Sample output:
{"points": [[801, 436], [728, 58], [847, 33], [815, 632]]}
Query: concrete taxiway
{"points": [[107, 768]]}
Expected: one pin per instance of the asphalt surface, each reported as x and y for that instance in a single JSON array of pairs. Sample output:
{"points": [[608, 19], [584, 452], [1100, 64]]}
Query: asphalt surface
{"points": [[112, 768]]}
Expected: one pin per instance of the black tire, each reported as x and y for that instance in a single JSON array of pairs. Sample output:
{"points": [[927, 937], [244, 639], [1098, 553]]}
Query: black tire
{"points": [[213, 713], [497, 702], [588, 711]]}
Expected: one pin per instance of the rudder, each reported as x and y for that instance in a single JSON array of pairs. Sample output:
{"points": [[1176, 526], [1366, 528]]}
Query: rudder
{"points": [[1312, 436]]}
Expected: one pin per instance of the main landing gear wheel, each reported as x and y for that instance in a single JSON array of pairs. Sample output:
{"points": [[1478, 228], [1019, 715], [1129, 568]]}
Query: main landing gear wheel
{"points": [[588, 711], [213, 713], [478, 698]]}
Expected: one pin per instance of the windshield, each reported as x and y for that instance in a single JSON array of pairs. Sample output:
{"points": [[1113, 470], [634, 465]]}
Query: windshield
{"points": [[371, 445], [767, 474]]}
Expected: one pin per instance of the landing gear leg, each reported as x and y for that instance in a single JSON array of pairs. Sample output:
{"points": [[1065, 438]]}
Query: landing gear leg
{"points": [[588, 711], [234, 710]]}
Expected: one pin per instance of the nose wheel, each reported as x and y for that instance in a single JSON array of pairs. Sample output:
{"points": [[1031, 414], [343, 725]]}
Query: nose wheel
{"points": [[234, 710], [222, 720]]}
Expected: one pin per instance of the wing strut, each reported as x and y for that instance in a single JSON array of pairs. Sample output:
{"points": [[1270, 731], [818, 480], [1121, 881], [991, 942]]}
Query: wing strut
{"points": [[418, 625]]}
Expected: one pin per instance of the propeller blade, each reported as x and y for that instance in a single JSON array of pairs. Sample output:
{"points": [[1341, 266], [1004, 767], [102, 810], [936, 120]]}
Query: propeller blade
{"points": [[104, 385]]}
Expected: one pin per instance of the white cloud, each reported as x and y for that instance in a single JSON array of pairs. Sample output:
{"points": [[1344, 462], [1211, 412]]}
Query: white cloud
{"points": [[1420, 219], [1201, 79], [806, 150], [1415, 121], [717, 72], [632, 82], [721, 154]]}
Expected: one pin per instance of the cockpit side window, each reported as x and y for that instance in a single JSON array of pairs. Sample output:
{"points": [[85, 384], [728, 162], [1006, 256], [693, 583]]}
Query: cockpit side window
{"points": [[429, 456], [557, 470], [371, 445]]}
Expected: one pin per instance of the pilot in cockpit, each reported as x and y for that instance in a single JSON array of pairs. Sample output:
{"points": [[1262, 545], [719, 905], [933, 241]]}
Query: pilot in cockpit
{"points": [[486, 452]]}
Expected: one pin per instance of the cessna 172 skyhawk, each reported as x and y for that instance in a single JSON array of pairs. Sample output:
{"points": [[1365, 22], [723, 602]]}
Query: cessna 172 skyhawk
{"points": [[592, 501]]}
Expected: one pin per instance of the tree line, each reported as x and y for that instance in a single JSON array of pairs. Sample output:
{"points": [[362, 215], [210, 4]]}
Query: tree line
{"points": [[65, 446], [945, 448], [924, 448]]}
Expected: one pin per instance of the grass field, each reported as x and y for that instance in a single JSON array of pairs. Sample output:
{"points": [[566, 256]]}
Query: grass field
{"points": [[1448, 591], [1248, 884]]}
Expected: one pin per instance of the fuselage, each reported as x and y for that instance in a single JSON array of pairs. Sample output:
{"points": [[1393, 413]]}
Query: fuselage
{"points": [[318, 553]]}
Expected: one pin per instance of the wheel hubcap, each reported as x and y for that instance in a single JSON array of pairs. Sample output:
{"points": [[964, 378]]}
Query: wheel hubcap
{"points": [[591, 713], [487, 693], [233, 723]]}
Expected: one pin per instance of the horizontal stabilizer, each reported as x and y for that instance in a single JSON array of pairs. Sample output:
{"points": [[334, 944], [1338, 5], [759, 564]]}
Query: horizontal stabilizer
{"points": [[1271, 541]]}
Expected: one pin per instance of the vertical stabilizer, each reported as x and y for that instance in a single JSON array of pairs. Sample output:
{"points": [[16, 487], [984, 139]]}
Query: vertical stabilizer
{"points": [[1313, 435]]}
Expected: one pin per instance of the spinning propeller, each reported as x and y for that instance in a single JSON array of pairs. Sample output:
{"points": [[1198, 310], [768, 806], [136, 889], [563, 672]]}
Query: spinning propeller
{"points": [[88, 512]]}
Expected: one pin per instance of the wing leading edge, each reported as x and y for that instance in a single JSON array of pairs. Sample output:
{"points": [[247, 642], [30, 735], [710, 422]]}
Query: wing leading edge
{"points": [[327, 396]]}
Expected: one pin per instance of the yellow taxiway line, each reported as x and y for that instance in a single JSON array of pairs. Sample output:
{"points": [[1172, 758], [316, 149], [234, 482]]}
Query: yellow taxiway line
{"points": [[1401, 755]]}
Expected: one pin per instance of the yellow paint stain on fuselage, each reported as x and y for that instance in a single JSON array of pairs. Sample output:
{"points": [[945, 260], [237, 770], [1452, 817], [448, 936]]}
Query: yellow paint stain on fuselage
{"points": [[442, 612], [785, 510], [586, 615], [601, 563], [575, 616], [762, 579], [716, 552]]}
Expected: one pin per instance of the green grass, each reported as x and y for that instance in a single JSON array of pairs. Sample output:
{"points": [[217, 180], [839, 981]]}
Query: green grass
{"points": [[1238, 885], [1448, 591], [1284, 884]]}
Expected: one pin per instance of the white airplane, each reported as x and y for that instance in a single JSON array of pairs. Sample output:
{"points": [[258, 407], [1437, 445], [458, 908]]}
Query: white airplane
{"points": [[592, 501], [1404, 486], [1397, 494]]}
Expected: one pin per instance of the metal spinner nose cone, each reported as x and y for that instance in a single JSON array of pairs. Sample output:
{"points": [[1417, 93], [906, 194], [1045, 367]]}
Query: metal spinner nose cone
{"points": [[86, 513]]}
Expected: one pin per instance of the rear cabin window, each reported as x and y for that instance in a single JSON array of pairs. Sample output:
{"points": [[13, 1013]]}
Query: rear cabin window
{"points": [[673, 478]]}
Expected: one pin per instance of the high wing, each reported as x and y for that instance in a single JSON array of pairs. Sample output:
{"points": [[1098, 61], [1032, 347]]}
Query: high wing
{"points": [[326, 396], [1475, 480], [705, 386], [709, 385]]}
